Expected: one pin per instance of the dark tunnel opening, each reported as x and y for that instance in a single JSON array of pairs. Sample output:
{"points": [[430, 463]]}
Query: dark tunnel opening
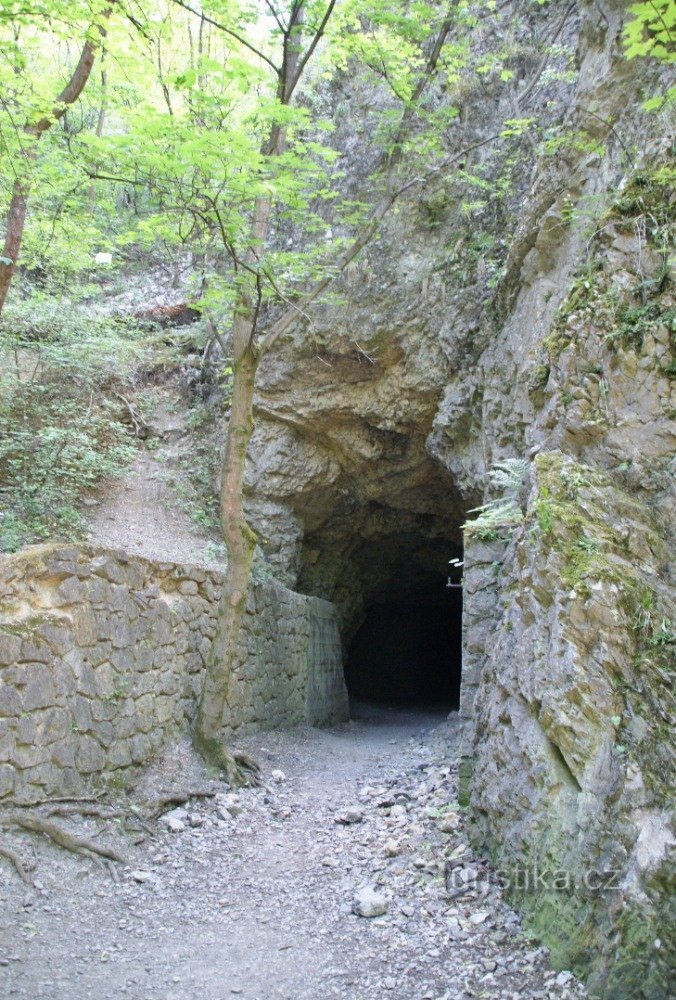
{"points": [[407, 651]]}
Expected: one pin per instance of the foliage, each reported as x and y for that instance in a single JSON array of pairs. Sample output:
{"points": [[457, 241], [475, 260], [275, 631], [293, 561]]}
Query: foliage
{"points": [[166, 155], [651, 33], [474, 256], [62, 426], [503, 512], [626, 312]]}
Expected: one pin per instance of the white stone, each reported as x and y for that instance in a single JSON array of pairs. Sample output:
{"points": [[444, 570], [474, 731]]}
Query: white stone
{"points": [[353, 814], [369, 902], [142, 876], [174, 814]]}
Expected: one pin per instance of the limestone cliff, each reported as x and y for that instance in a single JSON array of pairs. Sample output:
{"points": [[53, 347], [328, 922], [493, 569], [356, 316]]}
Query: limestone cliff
{"points": [[534, 325]]}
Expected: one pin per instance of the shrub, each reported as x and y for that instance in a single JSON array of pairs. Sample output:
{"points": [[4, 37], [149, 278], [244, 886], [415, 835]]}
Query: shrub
{"points": [[62, 424]]}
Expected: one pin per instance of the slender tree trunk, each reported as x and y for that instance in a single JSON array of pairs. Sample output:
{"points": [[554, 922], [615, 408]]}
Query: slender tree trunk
{"points": [[248, 352], [18, 206], [16, 221], [240, 540], [100, 123]]}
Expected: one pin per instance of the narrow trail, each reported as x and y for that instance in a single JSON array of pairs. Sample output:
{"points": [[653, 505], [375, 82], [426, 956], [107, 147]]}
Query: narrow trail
{"points": [[144, 511], [251, 895]]}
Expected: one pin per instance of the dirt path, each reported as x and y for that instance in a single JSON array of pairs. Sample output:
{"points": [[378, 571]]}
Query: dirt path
{"points": [[259, 904], [145, 510]]}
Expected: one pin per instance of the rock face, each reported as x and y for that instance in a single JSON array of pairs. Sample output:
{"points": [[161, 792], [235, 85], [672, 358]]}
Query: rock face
{"points": [[101, 659], [536, 329], [571, 756]]}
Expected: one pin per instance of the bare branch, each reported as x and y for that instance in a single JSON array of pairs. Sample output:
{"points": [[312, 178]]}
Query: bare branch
{"points": [[520, 98], [280, 24], [293, 82], [230, 32], [213, 331]]}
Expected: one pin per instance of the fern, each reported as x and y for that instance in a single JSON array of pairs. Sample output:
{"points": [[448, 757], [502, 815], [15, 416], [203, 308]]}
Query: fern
{"points": [[509, 475], [504, 511]]}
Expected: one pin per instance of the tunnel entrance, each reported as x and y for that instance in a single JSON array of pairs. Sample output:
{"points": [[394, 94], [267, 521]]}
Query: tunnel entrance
{"points": [[386, 568], [407, 651]]}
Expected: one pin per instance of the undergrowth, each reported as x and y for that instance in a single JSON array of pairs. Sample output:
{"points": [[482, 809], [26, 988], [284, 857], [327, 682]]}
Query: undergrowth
{"points": [[64, 422]]}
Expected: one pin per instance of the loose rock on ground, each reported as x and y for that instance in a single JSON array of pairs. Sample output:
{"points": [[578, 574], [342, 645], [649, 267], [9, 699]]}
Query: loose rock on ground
{"points": [[259, 893]]}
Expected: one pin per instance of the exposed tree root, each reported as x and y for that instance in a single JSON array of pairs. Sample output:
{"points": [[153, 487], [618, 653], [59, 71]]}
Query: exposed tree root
{"points": [[78, 845], [12, 856], [240, 769], [86, 809], [65, 799], [160, 804], [113, 872], [249, 765]]}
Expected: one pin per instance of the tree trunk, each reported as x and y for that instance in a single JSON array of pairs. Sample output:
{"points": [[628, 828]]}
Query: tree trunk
{"points": [[239, 538], [18, 206], [100, 123], [240, 542], [16, 221]]}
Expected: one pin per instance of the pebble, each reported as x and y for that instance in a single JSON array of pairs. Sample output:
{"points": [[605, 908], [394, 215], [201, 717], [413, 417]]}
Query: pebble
{"points": [[427, 944], [349, 816], [449, 824], [369, 902], [142, 876]]}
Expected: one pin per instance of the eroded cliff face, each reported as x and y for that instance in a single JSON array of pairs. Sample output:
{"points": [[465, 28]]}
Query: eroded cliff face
{"points": [[539, 328]]}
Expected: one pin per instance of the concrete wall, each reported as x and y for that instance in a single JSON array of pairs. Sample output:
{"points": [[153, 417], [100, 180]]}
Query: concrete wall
{"points": [[101, 659]]}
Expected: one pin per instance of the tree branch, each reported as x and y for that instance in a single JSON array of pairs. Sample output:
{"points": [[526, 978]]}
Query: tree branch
{"points": [[520, 98], [229, 31], [382, 208], [293, 82], [75, 85], [280, 24]]}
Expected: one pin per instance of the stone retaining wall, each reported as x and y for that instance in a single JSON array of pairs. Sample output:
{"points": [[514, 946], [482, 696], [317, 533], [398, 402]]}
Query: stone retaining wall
{"points": [[101, 659]]}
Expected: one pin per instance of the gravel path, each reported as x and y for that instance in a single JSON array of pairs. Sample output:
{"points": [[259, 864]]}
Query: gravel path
{"points": [[251, 895]]}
